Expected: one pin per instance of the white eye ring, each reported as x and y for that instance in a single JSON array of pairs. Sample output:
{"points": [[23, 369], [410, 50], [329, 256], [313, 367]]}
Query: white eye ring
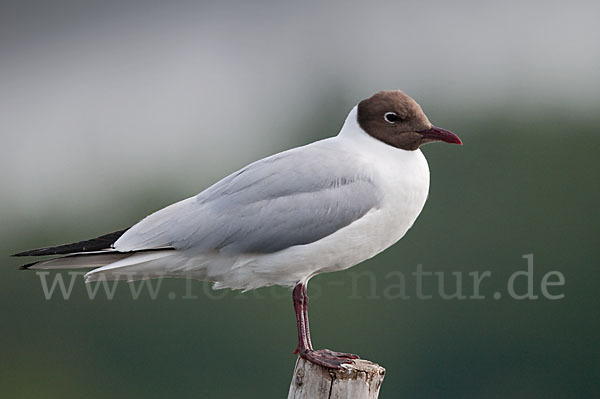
{"points": [[390, 117]]}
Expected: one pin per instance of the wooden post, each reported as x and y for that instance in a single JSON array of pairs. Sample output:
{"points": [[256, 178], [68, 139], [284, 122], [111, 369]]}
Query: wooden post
{"points": [[360, 380]]}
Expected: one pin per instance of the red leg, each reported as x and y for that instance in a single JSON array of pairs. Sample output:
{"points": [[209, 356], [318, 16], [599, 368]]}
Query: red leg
{"points": [[305, 314], [304, 343], [323, 357]]}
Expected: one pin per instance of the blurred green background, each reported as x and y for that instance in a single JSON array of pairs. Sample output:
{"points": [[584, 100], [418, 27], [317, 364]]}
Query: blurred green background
{"points": [[112, 111]]}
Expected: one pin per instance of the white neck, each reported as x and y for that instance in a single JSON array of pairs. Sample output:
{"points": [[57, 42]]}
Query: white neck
{"points": [[351, 126]]}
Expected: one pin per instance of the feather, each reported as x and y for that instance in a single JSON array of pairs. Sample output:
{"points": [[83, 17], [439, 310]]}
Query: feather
{"points": [[95, 244]]}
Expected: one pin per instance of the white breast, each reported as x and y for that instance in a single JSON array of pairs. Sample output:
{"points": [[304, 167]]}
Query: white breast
{"points": [[403, 179]]}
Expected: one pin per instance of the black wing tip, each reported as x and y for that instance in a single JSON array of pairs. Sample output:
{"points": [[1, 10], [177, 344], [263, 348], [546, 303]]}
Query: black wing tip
{"points": [[31, 252], [103, 242]]}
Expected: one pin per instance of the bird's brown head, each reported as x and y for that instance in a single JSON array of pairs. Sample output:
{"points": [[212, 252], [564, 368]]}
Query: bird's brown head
{"points": [[396, 119]]}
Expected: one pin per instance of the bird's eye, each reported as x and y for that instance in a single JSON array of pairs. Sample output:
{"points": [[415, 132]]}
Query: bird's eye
{"points": [[390, 117]]}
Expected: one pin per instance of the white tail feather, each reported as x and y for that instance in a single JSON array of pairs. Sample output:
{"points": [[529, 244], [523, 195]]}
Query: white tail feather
{"points": [[135, 267], [79, 261]]}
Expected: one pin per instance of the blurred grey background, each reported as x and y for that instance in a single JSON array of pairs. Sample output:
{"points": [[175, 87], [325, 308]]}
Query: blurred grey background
{"points": [[111, 110]]}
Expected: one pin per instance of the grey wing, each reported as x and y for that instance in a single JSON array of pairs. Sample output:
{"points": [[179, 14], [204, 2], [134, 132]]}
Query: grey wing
{"points": [[293, 198]]}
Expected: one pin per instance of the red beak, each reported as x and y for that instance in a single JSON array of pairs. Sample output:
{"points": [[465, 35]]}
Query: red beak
{"points": [[439, 134]]}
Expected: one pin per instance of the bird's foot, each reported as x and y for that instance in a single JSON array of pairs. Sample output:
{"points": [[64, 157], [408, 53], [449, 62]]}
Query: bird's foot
{"points": [[328, 358]]}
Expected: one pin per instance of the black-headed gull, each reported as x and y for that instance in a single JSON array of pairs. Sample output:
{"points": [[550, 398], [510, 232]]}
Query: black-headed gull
{"points": [[323, 207]]}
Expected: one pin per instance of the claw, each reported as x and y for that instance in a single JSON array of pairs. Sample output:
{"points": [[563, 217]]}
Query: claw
{"points": [[328, 358]]}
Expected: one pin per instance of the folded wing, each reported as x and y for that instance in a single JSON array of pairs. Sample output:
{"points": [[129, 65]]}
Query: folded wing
{"points": [[293, 198]]}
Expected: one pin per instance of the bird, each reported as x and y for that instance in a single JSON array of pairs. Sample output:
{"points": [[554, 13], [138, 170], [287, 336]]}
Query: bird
{"points": [[321, 207]]}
